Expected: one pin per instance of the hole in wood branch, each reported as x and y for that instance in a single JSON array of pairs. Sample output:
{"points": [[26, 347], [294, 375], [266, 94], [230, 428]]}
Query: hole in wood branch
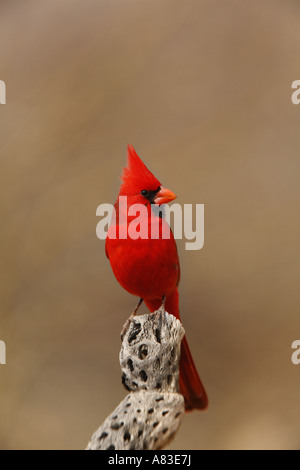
{"points": [[143, 351], [135, 331], [143, 375]]}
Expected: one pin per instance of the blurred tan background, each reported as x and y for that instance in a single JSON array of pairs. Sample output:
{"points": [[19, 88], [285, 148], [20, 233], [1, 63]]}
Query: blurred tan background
{"points": [[203, 91]]}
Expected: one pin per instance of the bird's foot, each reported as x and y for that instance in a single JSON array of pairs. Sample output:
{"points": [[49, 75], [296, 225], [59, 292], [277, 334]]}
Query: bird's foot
{"points": [[129, 320]]}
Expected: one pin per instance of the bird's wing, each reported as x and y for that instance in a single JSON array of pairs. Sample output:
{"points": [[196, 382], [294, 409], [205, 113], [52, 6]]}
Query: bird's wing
{"points": [[106, 248]]}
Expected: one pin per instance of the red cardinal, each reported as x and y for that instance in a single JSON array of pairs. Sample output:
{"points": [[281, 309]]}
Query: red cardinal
{"points": [[149, 268]]}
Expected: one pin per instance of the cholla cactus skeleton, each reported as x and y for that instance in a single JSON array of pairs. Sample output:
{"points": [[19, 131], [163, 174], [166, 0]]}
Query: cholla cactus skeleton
{"points": [[150, 415]]}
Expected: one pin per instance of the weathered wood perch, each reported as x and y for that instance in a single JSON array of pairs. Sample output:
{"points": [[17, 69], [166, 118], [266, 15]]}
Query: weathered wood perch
{"points": [[150, 415]]}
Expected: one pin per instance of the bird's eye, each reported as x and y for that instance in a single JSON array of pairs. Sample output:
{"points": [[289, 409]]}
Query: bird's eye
{"points": [[145, 193]]}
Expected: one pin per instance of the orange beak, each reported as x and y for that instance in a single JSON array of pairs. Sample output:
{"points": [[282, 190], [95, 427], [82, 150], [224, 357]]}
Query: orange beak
{"points": [[164, 196]]}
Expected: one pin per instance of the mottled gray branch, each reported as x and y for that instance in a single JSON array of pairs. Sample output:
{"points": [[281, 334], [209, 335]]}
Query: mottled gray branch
{"points": [[150, 415]]}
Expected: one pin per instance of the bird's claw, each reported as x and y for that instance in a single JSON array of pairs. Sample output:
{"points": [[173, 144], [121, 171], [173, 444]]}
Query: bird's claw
{"points": [[129, 320], [126, 327]]}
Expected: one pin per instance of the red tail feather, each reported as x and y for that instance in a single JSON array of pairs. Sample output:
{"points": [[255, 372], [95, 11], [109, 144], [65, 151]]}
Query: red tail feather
{"points": [[190, 384]]}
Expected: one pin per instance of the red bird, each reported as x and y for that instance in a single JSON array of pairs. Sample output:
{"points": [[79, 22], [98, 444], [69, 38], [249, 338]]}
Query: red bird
{"points": [[148, 267]]}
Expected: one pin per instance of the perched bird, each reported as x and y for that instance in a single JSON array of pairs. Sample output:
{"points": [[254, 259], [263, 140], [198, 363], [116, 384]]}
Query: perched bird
{"points": [[149, 267]]}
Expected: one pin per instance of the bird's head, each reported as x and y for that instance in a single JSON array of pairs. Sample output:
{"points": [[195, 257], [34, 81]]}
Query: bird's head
{"points": [[140, 185]]}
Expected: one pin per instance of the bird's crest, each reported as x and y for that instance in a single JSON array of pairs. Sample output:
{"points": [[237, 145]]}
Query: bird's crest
{"points": [[136, 176]]}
